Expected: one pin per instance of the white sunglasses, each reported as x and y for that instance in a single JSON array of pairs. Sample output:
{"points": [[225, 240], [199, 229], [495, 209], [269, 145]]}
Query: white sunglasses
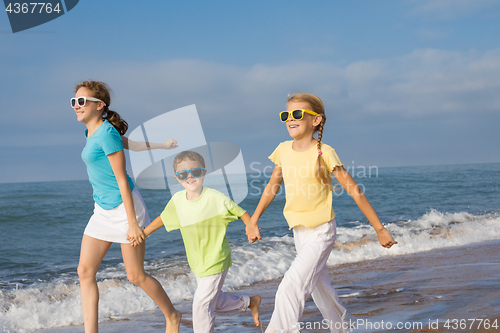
{"points": [[83, 100]]}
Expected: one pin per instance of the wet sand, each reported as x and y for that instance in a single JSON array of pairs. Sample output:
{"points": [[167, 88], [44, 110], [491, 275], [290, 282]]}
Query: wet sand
{"points": [[461, 283], [418, 292]]}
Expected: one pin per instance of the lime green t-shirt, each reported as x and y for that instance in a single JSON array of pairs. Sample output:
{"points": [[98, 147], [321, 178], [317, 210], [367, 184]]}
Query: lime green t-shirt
{"points": [[203, 223], [308, 203]]}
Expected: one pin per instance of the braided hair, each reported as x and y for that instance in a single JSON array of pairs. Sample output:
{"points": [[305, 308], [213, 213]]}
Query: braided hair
{"points": [[322, 174], [101, 91]]}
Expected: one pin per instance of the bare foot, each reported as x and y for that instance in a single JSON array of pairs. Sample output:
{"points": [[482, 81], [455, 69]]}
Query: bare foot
{"points": [[254, 307], [174, 323]]}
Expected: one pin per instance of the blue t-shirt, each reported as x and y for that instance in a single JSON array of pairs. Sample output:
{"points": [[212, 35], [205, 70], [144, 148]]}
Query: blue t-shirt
{"points": [[106, 140]]}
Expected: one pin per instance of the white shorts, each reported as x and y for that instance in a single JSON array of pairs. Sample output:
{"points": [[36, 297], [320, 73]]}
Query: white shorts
{"points": [[112, 225]]}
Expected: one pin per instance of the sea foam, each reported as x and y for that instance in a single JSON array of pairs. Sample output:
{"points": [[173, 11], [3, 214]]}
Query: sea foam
{"points": [[57, 303]]}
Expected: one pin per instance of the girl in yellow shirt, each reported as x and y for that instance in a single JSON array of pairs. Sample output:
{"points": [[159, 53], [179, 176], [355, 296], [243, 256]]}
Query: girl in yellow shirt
{"points": [[306, 164]]}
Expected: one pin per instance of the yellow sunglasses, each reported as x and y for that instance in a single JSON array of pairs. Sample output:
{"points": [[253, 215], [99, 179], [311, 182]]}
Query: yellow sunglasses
{"points": [[295, 114]]}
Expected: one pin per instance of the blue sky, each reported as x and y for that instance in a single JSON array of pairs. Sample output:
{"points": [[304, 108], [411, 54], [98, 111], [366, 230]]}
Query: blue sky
{"points": [[407, 82]]}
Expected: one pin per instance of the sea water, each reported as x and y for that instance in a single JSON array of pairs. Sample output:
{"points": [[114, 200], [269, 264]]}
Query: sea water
{"points": [[42, 224]]}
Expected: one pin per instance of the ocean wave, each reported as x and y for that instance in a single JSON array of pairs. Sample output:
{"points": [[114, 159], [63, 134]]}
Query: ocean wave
{"points": [[432, 230], [57, 303]]}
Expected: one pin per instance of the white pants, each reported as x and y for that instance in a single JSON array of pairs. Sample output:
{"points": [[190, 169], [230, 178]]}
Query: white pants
{"points": [[209, 298], [308, 275]]}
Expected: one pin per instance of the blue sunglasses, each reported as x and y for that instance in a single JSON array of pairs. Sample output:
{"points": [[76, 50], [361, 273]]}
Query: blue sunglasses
{"points": [[195, 172]]}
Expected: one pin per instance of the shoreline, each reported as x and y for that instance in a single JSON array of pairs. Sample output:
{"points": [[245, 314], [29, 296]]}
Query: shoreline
{"points": [[447, 283], [441, 284]]}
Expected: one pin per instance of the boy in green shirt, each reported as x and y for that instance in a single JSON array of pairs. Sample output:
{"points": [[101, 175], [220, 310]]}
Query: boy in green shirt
{"points": [[202, 214]]}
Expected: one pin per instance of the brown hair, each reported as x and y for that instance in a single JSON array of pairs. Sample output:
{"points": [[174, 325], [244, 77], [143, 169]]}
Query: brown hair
{"points": [[101, 91], [322, 174], [192, 155]]}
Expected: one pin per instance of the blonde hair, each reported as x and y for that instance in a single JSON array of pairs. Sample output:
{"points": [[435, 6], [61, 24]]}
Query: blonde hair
{"points": [[101, 91], [322, 174]]}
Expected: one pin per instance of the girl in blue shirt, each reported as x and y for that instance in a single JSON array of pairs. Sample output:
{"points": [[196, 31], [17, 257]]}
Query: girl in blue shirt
{"points": [[119, 211]]}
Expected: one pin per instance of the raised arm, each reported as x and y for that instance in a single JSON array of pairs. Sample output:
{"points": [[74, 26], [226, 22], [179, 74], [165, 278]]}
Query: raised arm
{"points": [[349, 184], [117, 161], [272, 188], [141, 146]]}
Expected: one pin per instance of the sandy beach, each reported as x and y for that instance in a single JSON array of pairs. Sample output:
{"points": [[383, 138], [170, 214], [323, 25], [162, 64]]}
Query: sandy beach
{"points": [[411, 293], [450, 283]]}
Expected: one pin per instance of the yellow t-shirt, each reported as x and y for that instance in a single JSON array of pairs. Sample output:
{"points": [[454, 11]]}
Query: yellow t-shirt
{"points": [[308, 203]]}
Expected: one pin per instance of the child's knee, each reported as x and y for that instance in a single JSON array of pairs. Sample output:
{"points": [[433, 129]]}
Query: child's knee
{"points": [[202, 305], [288, 283], [136, 278], [290, 286], [85, 272]]}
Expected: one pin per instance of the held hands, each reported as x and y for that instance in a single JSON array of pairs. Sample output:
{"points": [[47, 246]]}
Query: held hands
{"points": [[385, 238], [253, 231], [170, 144], [135, 235]]}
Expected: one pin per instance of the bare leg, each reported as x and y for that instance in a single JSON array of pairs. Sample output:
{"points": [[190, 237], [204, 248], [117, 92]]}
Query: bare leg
{"points": [[254, 307], [91, 254], [133, 258]]}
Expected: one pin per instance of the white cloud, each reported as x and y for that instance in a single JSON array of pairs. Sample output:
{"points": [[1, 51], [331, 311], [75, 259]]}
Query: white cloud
{"points": [[428, 81], [420, 84], [424, 81]]}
